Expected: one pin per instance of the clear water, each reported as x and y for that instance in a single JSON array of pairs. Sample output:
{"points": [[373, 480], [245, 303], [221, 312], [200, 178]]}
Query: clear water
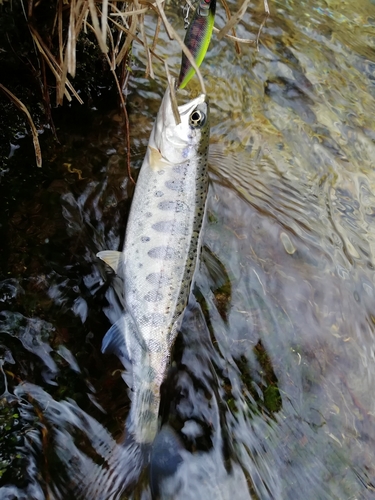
{"points": [[273, 373]]}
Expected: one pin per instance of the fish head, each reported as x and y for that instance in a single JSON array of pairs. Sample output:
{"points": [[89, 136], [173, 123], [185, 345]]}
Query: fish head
{"points": [[177, 143]]}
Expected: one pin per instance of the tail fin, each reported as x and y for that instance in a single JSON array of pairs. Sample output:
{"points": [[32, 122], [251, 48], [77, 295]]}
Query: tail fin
{"points": [[122, 472]]}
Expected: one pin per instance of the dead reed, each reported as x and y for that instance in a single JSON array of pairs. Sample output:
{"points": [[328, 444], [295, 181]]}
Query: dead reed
{"points": [[116, 24]]}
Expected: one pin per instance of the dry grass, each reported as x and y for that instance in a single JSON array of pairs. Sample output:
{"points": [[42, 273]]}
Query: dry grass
{"points": [[116, 25], [23, 108]]}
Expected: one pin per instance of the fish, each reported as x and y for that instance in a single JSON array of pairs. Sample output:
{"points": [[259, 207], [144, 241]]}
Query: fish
{"points": [[160, 254], [197, 39]]}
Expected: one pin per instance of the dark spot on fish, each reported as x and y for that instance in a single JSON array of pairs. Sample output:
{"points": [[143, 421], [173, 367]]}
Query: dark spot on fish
{"points": [[164, 253], [159, 194], [144, 239], [148, 417], [157, 279], [154, 319], [148, 396], [175, 185], [154, 345], [151, 374], [153, 296], [176, 206], [180, 169], [170, 226], [148, 214]]}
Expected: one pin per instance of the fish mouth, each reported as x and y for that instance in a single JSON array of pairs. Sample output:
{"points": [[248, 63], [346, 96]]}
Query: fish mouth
{"points": [[184, 109], [166, 134]]}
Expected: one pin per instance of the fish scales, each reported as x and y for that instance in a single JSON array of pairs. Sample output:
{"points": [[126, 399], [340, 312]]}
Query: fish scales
{"points": [[160, 252], [168, 237]]}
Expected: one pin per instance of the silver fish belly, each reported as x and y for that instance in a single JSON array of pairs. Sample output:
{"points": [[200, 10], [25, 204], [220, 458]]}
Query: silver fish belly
{"points": [[160, 254]]}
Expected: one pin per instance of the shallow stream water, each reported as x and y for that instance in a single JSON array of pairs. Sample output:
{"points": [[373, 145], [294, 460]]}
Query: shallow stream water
{"points": [[272, 380]]}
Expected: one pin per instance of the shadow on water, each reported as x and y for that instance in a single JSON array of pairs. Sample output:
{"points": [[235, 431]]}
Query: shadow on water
{"points": [[270, 386]]}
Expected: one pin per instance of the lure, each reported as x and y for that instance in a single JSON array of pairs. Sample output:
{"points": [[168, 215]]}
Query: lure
{"points": [[197, 39]]}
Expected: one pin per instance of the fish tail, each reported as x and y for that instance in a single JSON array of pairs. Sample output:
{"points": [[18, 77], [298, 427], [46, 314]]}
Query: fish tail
{"points": [[133, 456], [131, 461], [115, 474], [144, 413]]}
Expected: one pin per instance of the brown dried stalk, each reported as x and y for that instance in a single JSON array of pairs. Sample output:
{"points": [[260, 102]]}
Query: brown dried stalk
{"points": [[228, 14], [233, 20], [266, 16], [98, 32], [20, 105], [54, 66], [149, 69], [123, 107], [236, 38]]}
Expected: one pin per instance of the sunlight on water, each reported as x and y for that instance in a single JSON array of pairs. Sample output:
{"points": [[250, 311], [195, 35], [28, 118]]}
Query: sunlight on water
{"points": [[271, 383]]}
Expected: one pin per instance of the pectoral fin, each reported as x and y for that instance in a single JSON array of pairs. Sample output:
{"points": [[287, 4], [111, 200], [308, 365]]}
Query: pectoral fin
{"points": [[122, 339], [113, 259], [114, 342]]}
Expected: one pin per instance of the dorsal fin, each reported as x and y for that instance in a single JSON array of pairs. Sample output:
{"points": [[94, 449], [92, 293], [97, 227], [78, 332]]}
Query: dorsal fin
{"points": [[113, 258]]}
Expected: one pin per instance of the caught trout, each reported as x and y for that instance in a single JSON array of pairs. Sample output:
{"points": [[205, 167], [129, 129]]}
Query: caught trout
{"points": [[197, 39], [160, 254]]}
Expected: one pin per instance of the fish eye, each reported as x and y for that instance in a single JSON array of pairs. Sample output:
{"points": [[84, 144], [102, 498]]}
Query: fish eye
{"points": [[197, 118]]}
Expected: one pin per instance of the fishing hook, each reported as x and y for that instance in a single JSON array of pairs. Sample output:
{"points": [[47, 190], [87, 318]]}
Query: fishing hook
{"points": [[186, 11]]}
